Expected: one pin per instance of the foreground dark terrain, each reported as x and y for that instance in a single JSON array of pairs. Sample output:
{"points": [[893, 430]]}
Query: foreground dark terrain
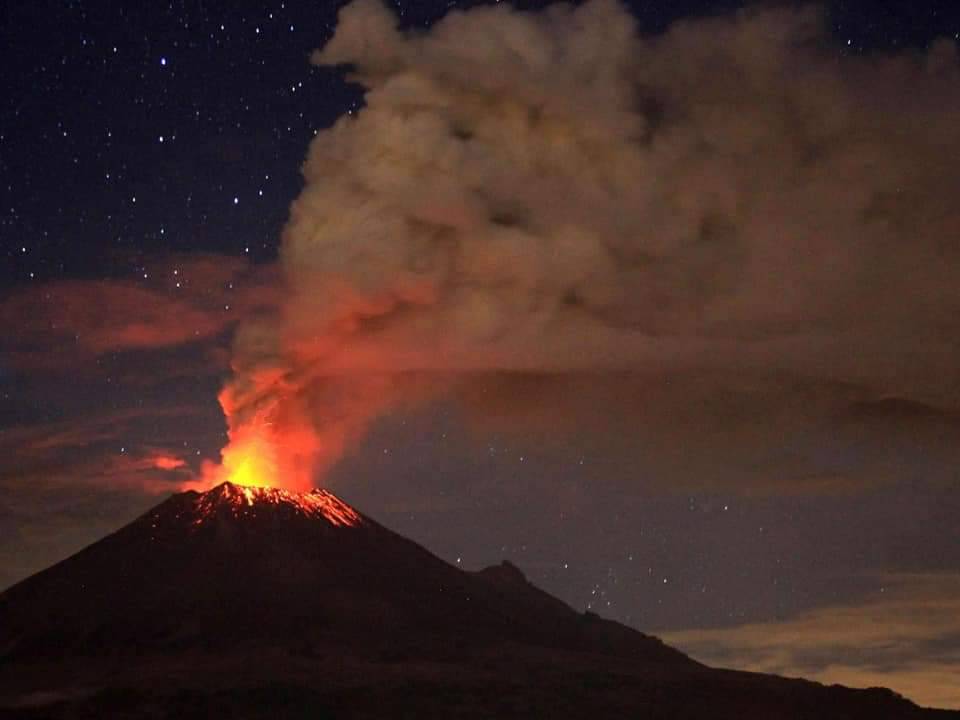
{"points": [[260, 603]]}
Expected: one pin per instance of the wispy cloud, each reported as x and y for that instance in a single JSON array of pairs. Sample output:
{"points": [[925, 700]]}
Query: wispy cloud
{"points": [[43, 441], [906, 638], [182, 299]]}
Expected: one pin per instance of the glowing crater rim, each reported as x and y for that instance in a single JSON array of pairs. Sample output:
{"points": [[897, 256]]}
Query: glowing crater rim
{"points": [[239, 499]]}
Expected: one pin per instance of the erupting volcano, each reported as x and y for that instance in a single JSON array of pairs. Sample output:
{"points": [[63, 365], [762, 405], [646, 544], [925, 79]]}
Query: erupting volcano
{"points": [[254, 600]]}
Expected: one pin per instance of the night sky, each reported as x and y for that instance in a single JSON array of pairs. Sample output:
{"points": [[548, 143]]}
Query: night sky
{"points": [[791, 509]]}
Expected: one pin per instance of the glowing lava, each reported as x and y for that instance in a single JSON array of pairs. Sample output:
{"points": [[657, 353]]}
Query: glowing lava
{"points": [[239, 501], [266, 448], [270, 444], [250, 461]]}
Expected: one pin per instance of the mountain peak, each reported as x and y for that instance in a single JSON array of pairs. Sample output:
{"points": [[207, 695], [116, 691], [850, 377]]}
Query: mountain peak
{"points": [[248, 501]]}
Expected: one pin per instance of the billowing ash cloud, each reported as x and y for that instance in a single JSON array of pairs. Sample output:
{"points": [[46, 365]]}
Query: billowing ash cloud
{"points": [[552, 195]]}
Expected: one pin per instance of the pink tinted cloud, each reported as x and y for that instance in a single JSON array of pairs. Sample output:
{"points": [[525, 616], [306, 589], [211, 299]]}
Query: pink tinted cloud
{"points": [[187, 298]]}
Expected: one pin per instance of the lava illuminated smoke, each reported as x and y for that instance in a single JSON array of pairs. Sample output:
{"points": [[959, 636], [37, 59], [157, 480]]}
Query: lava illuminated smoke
{"points": [[263, 450], [250, 459], [530, 199]]}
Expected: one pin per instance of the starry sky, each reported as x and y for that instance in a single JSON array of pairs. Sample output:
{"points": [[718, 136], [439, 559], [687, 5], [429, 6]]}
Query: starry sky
{"points": [[799, 521]]}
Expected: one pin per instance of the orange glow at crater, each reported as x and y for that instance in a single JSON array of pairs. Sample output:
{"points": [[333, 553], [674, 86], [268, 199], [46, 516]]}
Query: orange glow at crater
{"points": [[267, 448], [285, 430], [257, 456], [250, 460]]}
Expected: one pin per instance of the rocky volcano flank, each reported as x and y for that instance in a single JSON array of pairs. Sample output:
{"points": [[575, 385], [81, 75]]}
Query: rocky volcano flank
{"points": [[257, 601]]}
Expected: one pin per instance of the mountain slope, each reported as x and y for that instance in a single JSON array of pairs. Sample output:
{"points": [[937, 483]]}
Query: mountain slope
{"points": [[299, 598], [243, 567]]}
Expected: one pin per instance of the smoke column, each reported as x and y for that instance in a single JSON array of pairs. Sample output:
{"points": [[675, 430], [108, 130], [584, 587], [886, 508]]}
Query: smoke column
{"points": [[553, 196]]}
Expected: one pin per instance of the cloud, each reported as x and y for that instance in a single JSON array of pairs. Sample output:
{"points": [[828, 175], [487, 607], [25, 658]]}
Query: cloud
{"points": [[102, 451], [150, 470], [139, 471], [904, 638], [165, 461], [551, 201], [39, 440], [183, 299]]}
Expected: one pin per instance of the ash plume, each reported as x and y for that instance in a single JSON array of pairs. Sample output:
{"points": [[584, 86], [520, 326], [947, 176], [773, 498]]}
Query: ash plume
{"points": [[553, 200]]}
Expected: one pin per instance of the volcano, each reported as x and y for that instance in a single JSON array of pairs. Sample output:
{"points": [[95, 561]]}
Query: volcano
{"points": [[259, 602]]}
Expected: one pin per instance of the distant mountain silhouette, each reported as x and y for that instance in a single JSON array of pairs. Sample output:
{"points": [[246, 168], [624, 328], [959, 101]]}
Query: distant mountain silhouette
{"points": [[264, 603]]}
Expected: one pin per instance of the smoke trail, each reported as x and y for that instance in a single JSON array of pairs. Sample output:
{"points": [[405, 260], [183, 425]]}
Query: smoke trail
{"points": [[551, 195]]}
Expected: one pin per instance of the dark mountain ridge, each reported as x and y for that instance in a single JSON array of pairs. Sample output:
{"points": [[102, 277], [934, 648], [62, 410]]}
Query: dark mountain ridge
{"points": [[247, 600]]}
